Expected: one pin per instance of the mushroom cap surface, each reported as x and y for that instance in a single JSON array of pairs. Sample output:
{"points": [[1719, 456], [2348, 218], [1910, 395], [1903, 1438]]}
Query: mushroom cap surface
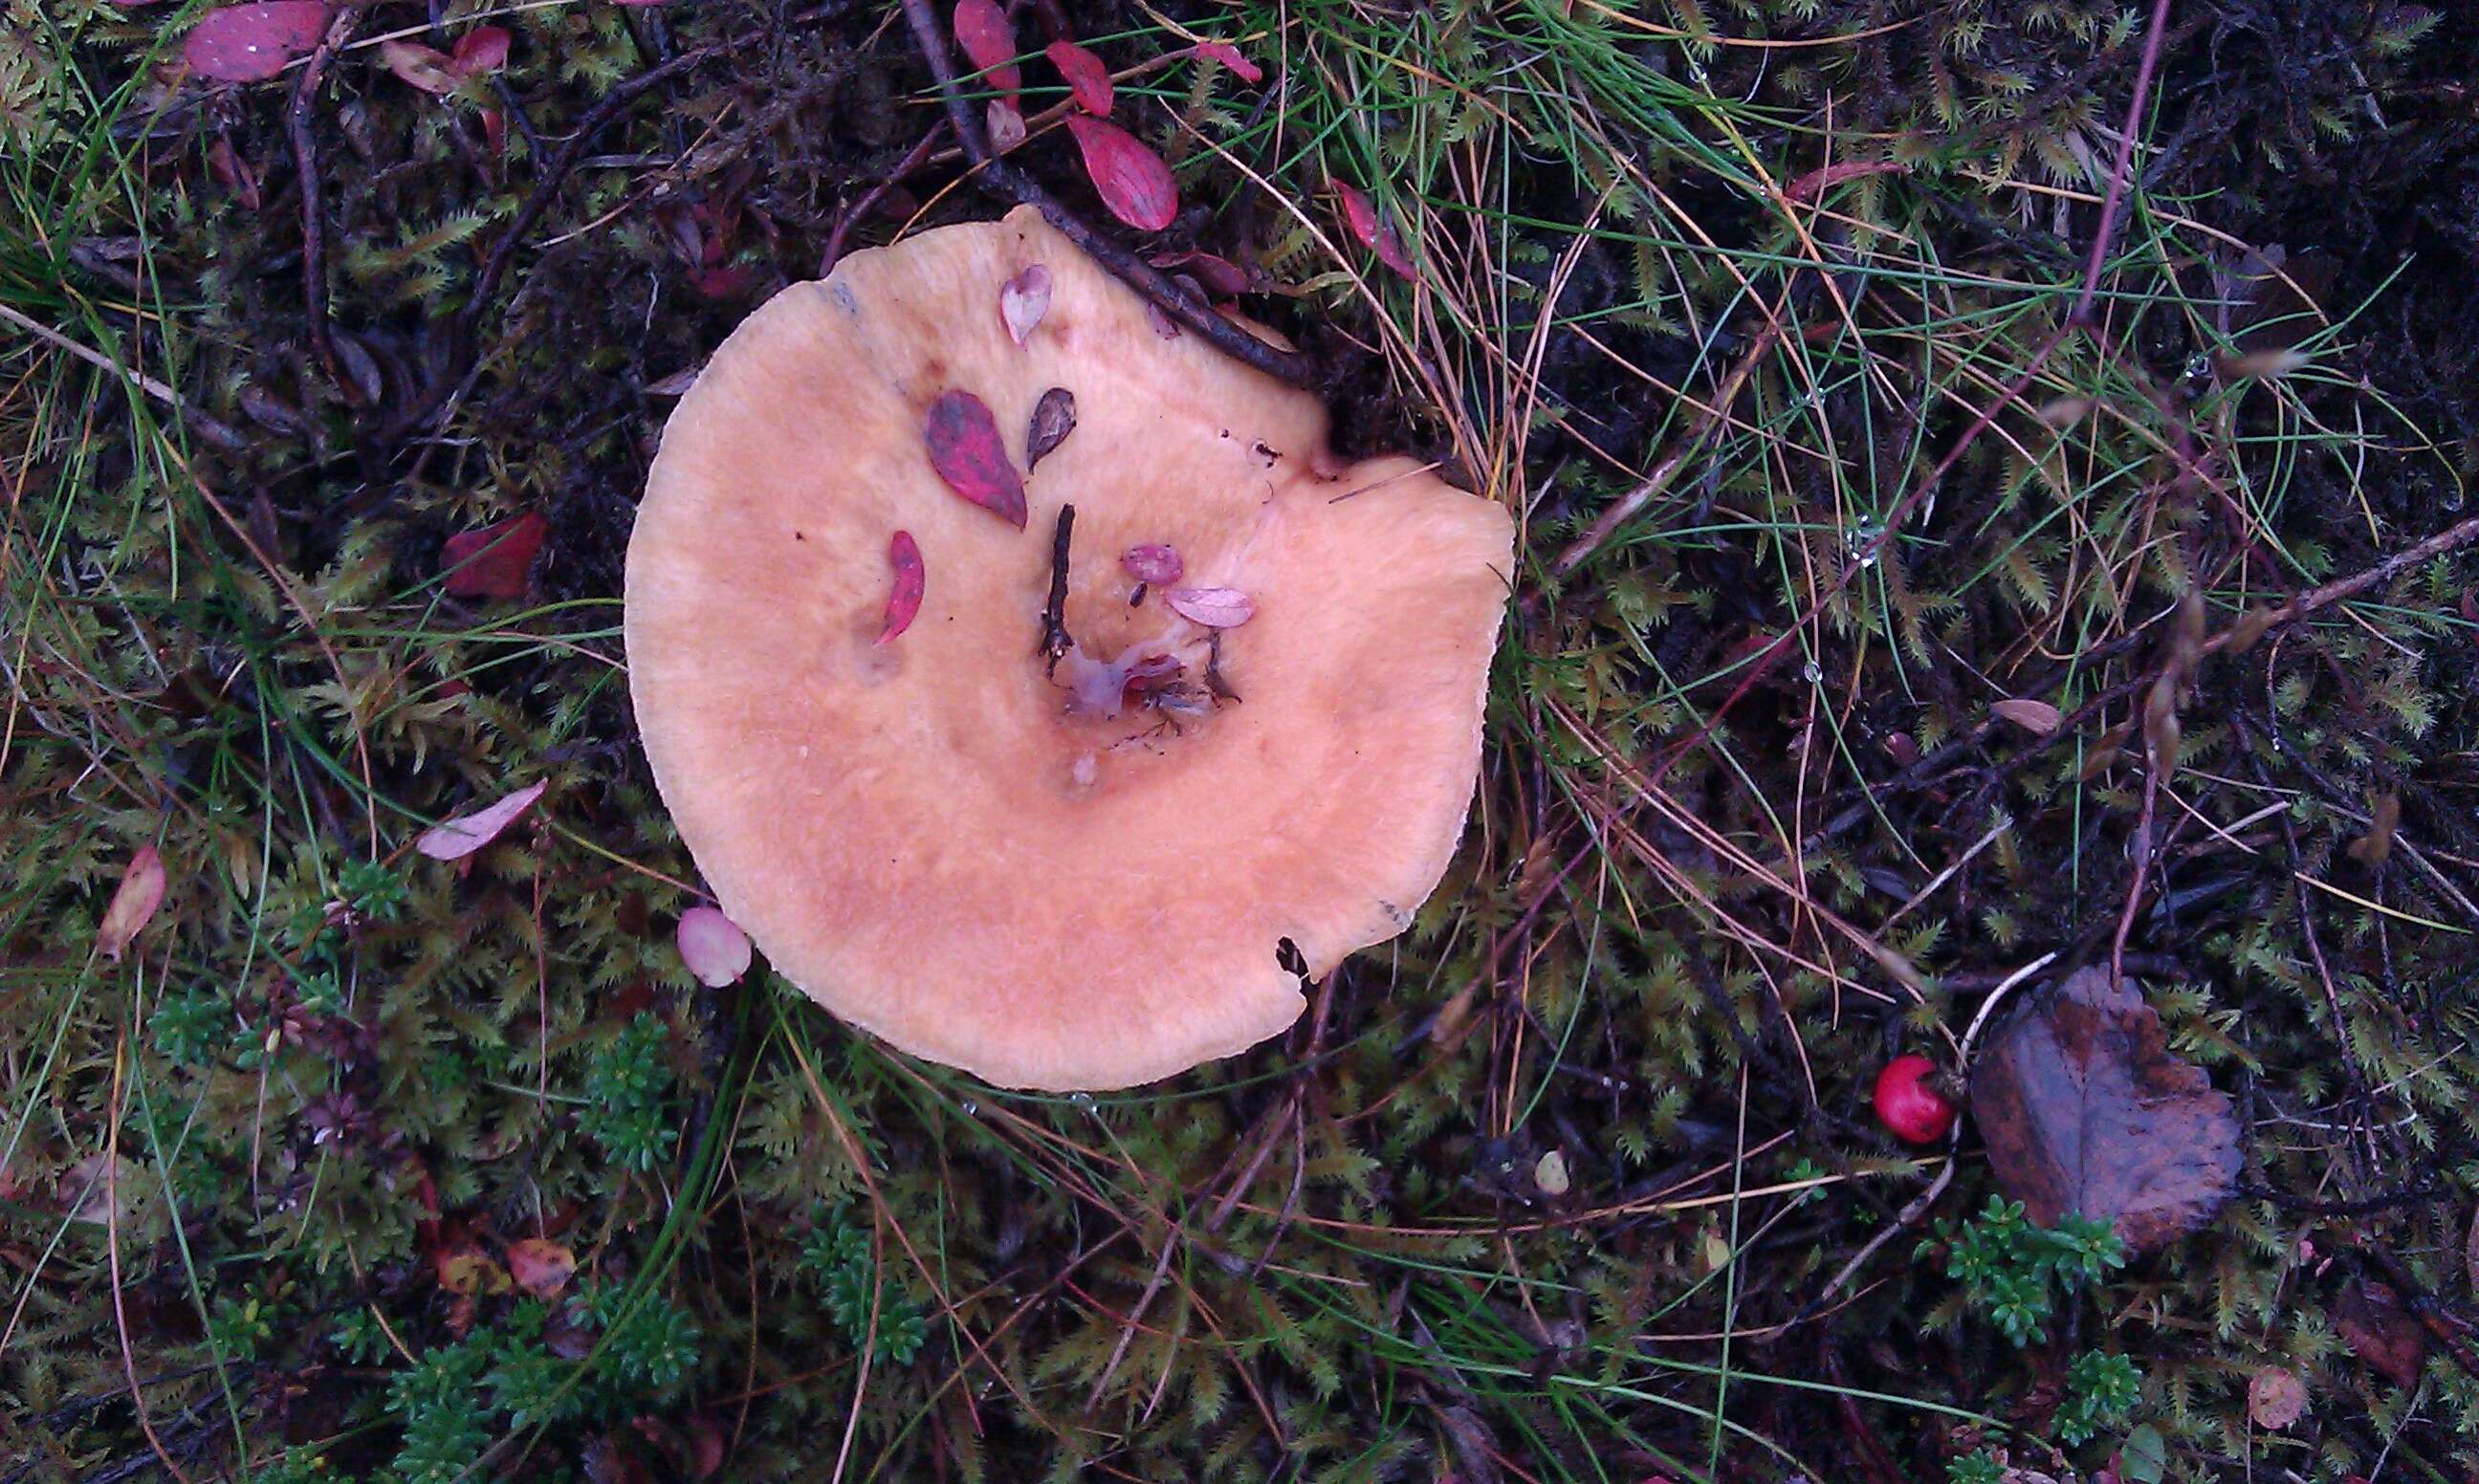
{"points": [[918, 833]]}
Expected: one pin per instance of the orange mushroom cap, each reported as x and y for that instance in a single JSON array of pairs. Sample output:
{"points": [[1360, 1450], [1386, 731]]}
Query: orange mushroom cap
{"points": [[933, 836]]}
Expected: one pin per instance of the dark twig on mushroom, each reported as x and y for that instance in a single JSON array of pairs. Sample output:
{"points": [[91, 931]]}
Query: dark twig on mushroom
{"points": [[1134, 271], [1053, 613]]}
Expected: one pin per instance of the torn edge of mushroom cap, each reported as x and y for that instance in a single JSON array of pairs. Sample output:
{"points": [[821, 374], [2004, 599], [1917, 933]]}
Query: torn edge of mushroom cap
{"points": [[762, 543]]}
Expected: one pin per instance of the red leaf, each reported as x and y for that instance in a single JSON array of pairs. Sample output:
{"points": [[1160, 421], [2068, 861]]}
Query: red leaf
{"points": [[250, 43], [964, 447], [425, 67], [988, 40], [1215, 607], [1229, 56], [1089, 80], [1133, 180], [133, 902], [495, 131], [1023, 300], [540, 1267], [713, 947], [1815, 183], [1373, 231], [904, 598], [493, 562], [481, 51], [456, 838], [1220, 276], [1152, 563]]}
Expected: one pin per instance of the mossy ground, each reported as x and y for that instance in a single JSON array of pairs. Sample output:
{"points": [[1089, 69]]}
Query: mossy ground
{"points": [[1557, 1186]]}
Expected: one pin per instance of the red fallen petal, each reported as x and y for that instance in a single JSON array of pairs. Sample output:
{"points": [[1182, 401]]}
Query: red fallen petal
{"points": [[493, 562], [1373, 230], [495, 131], [133, 902], [904, 600], [1133, 180], [1152, 563], [1215, 607], [425, 67], [456, 838], [1023, 300], [1220, 276], [1812, 183], [250, 43], [713, 947], [964, 447], [1229, 56], [1089, 80], [988, 40], [481, 51]]}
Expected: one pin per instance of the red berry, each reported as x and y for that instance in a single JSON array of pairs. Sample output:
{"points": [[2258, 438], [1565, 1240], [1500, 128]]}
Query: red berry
{"points": [[1909, 1104]]}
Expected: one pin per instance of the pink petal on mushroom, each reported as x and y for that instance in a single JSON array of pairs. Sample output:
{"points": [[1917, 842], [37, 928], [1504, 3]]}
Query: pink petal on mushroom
{"points": [[904, 600], [1023, 300], [1005, 125], [964, 447], [713, 947], [1152, 563], [1089, 81], [1215, 607], [250, 43], [456, 838], [1133, 181]]}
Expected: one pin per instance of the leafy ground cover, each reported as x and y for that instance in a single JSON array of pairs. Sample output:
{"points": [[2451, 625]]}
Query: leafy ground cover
{"points": [[1926, 591]]}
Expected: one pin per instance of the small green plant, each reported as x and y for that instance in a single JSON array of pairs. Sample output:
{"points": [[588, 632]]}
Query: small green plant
{"points": [[837, 1254], [1980, 1466], [2014, 1271], [2101, 1388], [236, 1330], [626, 1090], [191, 1027]]}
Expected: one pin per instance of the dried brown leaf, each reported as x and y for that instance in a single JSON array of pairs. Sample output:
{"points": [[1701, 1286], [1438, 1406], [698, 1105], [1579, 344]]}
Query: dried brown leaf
{"points": [[2086, 1110], [2372, 1321], [2276, 1399]]}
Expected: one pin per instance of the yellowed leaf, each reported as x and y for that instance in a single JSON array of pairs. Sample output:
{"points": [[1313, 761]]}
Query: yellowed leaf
{"points": [[133, 902]]}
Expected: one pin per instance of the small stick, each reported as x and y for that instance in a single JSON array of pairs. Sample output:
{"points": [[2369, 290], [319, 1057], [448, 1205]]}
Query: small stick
{"points": [[305, 164], [1053, 613], [1146, 279], [875, 194]]}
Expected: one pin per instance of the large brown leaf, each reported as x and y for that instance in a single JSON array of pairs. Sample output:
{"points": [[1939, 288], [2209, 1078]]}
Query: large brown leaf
{"points": [[2085, 1112]]}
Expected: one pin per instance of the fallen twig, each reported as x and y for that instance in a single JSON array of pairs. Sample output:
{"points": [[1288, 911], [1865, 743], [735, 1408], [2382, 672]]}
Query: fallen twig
{"points": [[215, 430], [869, 199], [1134, 271], [305, 164]]}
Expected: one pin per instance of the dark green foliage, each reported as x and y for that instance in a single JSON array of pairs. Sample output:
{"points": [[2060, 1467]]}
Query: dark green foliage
{"points": [[836, 1255], [2014, 1271], [626, 1096], [2101, 1388]]}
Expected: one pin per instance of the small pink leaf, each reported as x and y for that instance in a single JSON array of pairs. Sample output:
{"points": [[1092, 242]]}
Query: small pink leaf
{"points": [[904, 598], [250, 43], [1215, 607], [1023, 300], [1229, 56], [713, 947], [133, 902], [988, 40], [425, 67], [1134, 182], [456, 838], [1005, 125], [1219, 276], [1374, 232], [964, 447], [1816, 182], [540, 1267], [481, 51], [1152, 563], [1089, 80], [1054, 417], [493, 562]]}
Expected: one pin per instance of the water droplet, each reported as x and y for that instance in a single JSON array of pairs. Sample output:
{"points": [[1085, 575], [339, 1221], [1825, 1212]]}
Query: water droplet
{"points": [[1083, 1100], [2198, 366], [972, 1109], [1810, 673]]}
